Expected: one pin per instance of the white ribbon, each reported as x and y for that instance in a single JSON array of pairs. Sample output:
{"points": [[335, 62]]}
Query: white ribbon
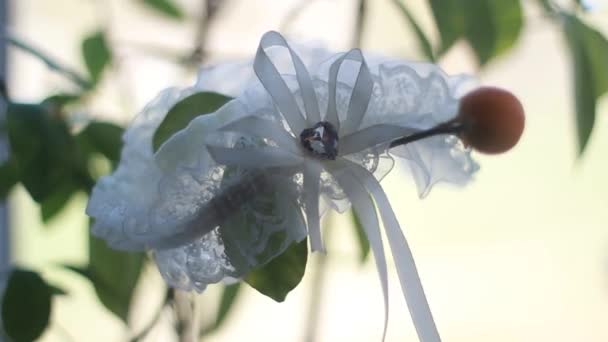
{"points": [[312, 176], [371, 136], [254, 157], [360, 96], [271, 79], [204, 222], [402, 255], [364, 206]]}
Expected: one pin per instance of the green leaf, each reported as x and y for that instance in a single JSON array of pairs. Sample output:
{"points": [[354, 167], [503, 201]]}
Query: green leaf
{"points": [[546, 6], [227, 300], [361, 238], [57, 200], [450, 20], [282, 274], [280, 263], [26, 306], [165, 7], [44, 152], [97, 54], [255, 222], [229, 295], [184, 111], [8, 177], [114, 275], [491, 27], [61, 99], [589, 51], [423, 41], [80, 270], [57, 291], [104, 138], [55, 104]]}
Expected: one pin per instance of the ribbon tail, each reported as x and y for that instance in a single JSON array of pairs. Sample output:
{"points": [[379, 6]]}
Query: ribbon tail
{"points": [[404, 260], [364, 206], [254, 157], [263, 128], [312, 176]]}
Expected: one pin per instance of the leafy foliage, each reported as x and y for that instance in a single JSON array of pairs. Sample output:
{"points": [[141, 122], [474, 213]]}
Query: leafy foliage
{"points": [[97, 54], [423, 41], [114, 275], [44, 152], [490, 27], [165, 7], [229, 295], [8, 177], [227, 300], [282, 274], [184, 111], [56, 102], [103, 138], [589, 50], [450, 21], [241, 230], [26, 307], [361, 238], [53, 204]]}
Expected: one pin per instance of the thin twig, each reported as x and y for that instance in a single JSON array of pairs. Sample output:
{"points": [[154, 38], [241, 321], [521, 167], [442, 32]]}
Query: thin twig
{"points": [[293, 13], [169, 294], [69, 73], [195, 325], [208, 11], [183, 306], [359, 23]]}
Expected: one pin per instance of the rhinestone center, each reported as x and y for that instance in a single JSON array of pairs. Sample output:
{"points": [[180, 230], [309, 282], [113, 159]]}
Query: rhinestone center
{"points": [[321, 140]]}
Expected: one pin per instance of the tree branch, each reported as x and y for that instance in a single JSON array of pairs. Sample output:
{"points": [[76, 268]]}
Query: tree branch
{"points": [[70, 74], [359, 23], [169, 295]]}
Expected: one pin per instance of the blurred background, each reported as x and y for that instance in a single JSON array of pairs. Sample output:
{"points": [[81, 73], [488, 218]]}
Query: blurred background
{"points": [[520, 254]]}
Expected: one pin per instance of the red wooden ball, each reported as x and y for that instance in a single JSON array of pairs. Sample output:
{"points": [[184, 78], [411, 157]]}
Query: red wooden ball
{"points": [[494, 120]]}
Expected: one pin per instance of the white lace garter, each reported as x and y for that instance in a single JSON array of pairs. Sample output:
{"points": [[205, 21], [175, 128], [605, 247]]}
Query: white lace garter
{"points": [[236, 187]]}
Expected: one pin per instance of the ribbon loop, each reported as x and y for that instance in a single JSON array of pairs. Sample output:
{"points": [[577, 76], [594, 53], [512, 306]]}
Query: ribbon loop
{"points": [[360, 96], [274, 83]]}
